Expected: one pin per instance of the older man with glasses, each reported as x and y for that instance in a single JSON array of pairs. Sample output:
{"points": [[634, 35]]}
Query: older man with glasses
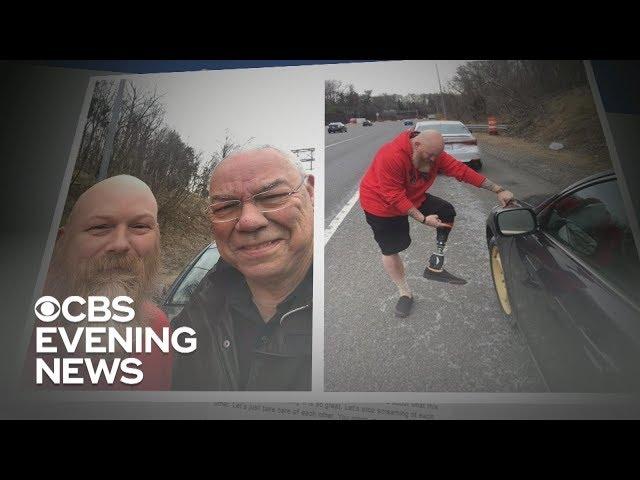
{"points": [[252, 312]]}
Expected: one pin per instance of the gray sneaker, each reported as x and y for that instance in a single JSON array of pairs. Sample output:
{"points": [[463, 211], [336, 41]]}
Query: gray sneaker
{"points": [[404, 305]]}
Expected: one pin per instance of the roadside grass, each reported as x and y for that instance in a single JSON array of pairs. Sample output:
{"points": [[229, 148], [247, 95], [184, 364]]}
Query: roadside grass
{"points": [[562, 158], [184, 231], [569, 118]]}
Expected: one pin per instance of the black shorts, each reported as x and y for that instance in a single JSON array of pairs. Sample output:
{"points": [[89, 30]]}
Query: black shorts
{"points": [[392, 233]]}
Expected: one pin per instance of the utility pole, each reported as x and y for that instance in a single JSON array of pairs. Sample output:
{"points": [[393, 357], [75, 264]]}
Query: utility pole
{"points": [[444, 110], [111, 134]]}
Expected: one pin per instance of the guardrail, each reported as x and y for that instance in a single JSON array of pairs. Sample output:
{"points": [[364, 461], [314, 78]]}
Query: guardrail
{"points": [[485, 127]]}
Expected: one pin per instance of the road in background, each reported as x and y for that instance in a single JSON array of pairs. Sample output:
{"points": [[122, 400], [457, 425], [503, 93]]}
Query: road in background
{"points": [[347, 156]]}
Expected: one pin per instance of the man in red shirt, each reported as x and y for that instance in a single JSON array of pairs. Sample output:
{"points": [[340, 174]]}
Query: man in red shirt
{"points": [[395, 187]]}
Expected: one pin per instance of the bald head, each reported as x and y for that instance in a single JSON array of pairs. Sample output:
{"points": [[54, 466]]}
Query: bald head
{"points": [[115, 191], [118, 215], [427, 145], [431, 139]]}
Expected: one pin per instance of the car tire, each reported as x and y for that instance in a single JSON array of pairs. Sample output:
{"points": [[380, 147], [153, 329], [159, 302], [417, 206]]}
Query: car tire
{"points": [[500, 282]]}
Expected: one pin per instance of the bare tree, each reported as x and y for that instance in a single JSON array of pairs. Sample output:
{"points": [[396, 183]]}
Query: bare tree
{"points": [[227, 147]]}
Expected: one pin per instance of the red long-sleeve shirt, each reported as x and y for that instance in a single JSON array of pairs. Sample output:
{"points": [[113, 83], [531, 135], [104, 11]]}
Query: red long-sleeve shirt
{"points": [[392, 185]]}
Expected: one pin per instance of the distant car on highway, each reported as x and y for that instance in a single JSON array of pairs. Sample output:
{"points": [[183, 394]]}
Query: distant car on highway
{"points": [[337, 127], [367, 123], [566, 272], [458, 140], [408, 122], [177, 296]]}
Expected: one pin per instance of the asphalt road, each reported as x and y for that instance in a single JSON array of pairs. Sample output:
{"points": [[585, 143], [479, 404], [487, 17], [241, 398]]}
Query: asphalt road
{"points": [[347, 156], [456, 339]]}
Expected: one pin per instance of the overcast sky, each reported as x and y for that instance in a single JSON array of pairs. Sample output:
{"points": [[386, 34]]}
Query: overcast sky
{"points": [[281, 106], [402, 77], [274, 106]]}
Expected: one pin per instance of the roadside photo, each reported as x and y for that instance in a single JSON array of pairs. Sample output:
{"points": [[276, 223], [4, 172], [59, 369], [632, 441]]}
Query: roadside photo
{"points": [[476, 239], [192, 198]]}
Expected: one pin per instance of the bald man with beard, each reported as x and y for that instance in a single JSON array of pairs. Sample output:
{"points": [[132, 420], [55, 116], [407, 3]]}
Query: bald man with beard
{"points": [[395, 187], [110, 246]]}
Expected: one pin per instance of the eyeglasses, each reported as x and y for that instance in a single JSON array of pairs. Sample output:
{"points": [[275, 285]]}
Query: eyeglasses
{"points": [[265, 202]]}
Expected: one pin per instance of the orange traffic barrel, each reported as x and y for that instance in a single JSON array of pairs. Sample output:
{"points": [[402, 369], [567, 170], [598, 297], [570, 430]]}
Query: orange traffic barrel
{"points": [[493, 129]]}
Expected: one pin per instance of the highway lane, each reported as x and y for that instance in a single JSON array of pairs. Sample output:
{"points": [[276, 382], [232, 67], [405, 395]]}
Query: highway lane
{"points": [[347, 156]]}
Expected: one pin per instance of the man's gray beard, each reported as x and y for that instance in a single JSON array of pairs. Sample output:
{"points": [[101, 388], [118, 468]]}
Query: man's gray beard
{"points": [[423, 166], [110, 276]]}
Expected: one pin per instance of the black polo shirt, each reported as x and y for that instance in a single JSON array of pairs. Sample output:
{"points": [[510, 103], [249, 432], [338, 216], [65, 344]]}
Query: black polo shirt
{"points": [[250, 331]]}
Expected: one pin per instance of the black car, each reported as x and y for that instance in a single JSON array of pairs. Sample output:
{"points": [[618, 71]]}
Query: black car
{"points": [[408, 122], [337, 127], [177, 296], [367, 123], [566, 272]]}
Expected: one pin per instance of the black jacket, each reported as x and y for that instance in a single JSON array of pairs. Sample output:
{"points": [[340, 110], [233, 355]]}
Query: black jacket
{"points": [[284, 363]]}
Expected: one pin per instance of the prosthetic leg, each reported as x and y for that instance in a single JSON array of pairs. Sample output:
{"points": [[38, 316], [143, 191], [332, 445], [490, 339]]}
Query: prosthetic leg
{"points": [[436, 262], [435, 269]]}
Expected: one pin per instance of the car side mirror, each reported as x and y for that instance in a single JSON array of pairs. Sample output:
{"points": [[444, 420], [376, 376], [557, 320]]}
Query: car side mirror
{"points": [[516, 221]]}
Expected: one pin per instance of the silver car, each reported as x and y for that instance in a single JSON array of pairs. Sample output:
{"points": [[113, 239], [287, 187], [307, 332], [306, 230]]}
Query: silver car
{"points": [[458, 140]]}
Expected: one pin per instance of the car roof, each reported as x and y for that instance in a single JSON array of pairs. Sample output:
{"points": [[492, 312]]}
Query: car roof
{"points": [[590, 178], [604, 175]]}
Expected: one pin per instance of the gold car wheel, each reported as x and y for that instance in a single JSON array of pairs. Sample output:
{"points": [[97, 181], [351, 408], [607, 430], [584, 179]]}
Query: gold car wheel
{"points": [[499, 280]]}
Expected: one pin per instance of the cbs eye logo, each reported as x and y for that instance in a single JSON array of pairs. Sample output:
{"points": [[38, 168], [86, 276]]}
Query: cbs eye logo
{"points": [[47, 309]]}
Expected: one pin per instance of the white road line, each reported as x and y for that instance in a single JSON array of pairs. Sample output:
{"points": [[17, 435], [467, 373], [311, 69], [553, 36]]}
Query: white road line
{"points": [[343, 141], [337, 220]]}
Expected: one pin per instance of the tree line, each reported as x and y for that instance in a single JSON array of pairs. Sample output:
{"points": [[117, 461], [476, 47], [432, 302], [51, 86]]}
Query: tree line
{"points": [[144, 146], [510, 89]]}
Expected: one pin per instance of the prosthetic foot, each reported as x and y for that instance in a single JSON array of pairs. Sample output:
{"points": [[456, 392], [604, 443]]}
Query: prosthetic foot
{"points": [[436, 262]]}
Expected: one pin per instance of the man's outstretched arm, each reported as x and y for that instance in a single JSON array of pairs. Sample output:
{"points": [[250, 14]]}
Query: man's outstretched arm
{"points": [[504, 196]]}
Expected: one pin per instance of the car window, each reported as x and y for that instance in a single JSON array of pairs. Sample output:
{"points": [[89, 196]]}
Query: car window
{"points": [[191, 281], [592, 223], [446, 128]]}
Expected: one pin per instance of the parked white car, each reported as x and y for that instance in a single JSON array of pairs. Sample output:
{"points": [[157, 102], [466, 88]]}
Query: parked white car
{"points": [[458, 140]]}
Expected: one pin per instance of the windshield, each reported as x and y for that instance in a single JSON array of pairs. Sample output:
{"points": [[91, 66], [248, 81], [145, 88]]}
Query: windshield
{"points": [[191, 281]]}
